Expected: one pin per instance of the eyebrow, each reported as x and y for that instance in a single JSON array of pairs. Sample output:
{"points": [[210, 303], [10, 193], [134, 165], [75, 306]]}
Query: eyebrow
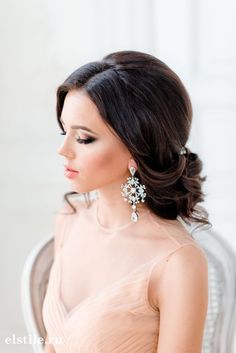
{"points": [[82, 127]]}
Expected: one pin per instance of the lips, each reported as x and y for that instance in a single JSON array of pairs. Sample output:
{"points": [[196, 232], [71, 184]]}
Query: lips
{"points": [[70, 169]]}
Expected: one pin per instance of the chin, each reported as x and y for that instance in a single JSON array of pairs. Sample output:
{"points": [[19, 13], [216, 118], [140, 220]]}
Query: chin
{"points": [[81, 189]]}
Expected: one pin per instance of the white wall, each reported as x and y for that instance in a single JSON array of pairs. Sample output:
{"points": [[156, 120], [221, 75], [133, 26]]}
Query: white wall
{"points": [[41, 43]]}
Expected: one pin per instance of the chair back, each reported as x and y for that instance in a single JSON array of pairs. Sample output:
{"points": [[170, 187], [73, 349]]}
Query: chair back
{"points": [[34, 283], [220, 326]]}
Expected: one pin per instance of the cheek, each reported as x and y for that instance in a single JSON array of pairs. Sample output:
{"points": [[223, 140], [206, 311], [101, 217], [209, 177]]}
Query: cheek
{"points": [[106, 162]]}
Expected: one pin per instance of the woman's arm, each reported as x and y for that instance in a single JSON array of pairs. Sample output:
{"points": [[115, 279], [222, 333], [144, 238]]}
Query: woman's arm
{"points": [[182, 297]]}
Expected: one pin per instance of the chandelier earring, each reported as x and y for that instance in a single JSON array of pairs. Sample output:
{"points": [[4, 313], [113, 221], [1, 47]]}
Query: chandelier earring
{"points": [[133, 191]]}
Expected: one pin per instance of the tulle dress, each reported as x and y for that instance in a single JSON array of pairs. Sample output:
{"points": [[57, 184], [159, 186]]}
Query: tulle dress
{"points": [[119, 317]]}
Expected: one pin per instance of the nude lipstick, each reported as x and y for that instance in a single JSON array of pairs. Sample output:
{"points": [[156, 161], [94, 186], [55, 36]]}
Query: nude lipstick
{"points": [[70, 173]]}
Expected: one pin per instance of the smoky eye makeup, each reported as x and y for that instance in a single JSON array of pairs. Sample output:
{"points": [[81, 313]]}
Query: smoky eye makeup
{"points": [[85, 141], [80, 140]]}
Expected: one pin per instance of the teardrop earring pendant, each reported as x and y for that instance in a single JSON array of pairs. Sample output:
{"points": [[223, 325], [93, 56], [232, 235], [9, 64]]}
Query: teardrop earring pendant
{"points": [[133, 192]]}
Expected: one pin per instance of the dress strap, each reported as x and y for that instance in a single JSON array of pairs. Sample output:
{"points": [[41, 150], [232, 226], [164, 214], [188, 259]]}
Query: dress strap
{"points": [[158, 262], [166, 257]]}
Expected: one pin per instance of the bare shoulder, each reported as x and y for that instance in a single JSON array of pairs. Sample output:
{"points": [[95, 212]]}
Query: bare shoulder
{"points": [[188, 258], [185, 268], [181, 294]]}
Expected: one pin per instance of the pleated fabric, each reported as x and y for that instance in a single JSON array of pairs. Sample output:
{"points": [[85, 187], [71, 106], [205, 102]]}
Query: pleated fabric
{"points": [[118, 319]]}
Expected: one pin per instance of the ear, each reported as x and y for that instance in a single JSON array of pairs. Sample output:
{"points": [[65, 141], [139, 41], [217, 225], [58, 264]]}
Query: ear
{"points": [[132, 163]]}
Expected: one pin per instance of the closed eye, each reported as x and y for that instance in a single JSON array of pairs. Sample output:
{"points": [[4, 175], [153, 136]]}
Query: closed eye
{"points": [[79, 140]]}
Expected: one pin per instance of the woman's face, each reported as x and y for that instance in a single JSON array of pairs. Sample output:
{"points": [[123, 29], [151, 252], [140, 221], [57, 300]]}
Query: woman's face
{"points": [[100, 162]]}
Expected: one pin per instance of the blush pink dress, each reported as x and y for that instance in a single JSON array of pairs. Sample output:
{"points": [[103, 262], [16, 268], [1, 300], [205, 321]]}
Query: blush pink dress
{"points": [[119, 318]]}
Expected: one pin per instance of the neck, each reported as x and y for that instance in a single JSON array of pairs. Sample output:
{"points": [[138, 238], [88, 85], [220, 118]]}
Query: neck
{"points": [[113, 211]]}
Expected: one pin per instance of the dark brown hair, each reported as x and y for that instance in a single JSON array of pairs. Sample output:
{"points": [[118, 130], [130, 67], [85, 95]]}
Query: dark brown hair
{"points": [[148, 107]]}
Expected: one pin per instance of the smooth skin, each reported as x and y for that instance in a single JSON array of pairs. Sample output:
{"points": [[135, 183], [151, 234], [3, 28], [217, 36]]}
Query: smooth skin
{"points": [[180, 290], [181, 293], [103, 163]]}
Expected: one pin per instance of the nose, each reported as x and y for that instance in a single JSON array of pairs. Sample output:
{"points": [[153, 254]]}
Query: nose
{"points": [[63, 150]]}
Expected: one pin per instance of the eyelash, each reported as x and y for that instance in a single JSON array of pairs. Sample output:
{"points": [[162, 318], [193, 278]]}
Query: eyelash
{"points": [[79, 140]]}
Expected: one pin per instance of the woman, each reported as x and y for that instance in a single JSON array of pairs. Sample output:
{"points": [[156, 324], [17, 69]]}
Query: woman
{"points": [[127, 275]]}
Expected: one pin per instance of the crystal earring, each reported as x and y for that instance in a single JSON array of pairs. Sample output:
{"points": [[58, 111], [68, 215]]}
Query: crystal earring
{"points": [[133, 192]]}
